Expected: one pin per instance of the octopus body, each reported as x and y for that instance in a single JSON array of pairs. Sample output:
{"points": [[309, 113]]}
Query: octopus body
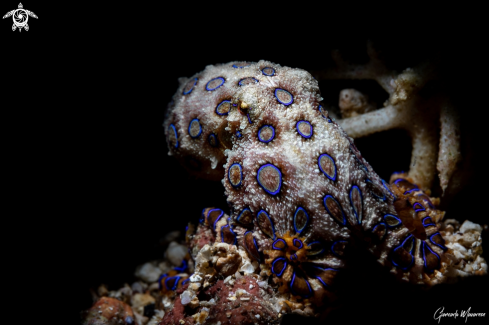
{"points": [[300, 192]]}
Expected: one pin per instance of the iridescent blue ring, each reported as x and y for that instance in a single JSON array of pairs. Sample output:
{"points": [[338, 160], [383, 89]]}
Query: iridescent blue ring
{"points": [[393, 216], [211, 89], [280, 179], [297, 230], [190, 125], [188, 92], [175, 283], [211, 137], [183, 267], [240, 82], [278, 248], [264, 73], [217, 107], [412, 257], [298, 130], [230, 229], [334, 165], [308, 285], [434, 243], [287, 103], [241, 213], [339, 205], [240, 173], [283, 269], [271, 138], [387, 188], [298, 243], [424, 257], [176, 136], [317, 242], [351, 201]]}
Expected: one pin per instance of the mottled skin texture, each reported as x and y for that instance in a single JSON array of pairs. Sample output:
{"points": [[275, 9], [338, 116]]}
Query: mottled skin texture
{"points": [[303, 183]]}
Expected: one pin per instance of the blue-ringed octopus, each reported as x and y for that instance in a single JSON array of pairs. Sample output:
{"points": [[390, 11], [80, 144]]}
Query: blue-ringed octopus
{"points": [[299, 191]]}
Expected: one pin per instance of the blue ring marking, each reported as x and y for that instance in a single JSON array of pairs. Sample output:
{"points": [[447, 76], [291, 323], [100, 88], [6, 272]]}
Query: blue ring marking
{"points": [[213, 136], [317, 242], [230, 229], [302, 134], [283, 269], [297, 230], [249, 119], [238, 134], [333, 245], [270, 220], [188, 92], [434, 243], [219, 105], [265, 74], [421, 208], [241, 213], [211, 89], [185, 281], [217, 219], [240, 173], [254, 243], [271, 138], [291, 97], [190, 125], [299, 242], [334, 165], [400, 172], [292, 290], [280, 179], [326, 286], [176, 135], [424, 258], [385, 226], [247, 78], [427, 201], [177, 278], [391, 215], [181, 268], [387, 188], [426, 225], [293, 257], [338, 203], [320, 109], [412, 257], [361, 202], [278, 248], [159, 280], [383, 198]]}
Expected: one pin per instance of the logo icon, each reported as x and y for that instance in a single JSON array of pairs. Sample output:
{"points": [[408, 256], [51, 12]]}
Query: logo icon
{"points": [[20, 17]]}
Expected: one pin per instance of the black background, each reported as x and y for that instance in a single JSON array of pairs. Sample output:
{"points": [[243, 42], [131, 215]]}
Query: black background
{"points": [[87, 175]]}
